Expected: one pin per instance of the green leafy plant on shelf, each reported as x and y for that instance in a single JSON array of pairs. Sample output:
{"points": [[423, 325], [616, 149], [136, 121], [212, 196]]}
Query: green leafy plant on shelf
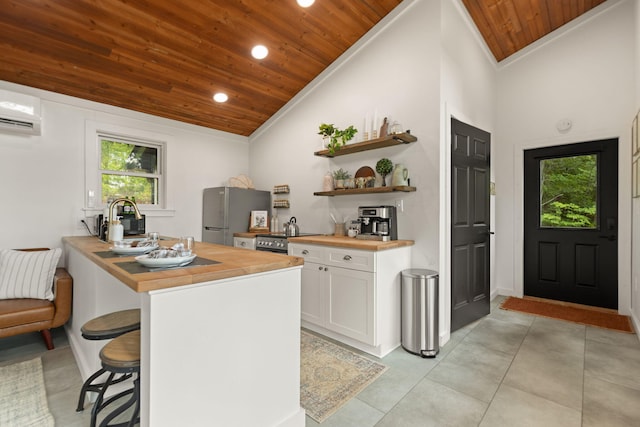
{"points": [[384, 168], [339, 176], [337, 138]]}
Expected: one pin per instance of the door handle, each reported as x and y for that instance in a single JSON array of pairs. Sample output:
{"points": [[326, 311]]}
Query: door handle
{"points": [[610, 237], [487, 232]]}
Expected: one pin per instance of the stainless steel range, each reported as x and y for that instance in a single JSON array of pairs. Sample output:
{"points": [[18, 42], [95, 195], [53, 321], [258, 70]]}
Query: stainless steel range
{"points": [[277, 243]]}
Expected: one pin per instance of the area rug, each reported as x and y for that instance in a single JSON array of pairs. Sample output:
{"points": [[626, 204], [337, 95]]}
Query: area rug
{"points": [[23, 399], [585, 315], [330, 375]]}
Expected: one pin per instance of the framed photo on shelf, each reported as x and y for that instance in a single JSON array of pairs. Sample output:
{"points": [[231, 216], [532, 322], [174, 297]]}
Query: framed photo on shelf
{"points": [[259, 221], [635, 145]]}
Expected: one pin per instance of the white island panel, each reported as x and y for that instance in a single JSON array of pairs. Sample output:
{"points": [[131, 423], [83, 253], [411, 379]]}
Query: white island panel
{"points": [[225, 352]]}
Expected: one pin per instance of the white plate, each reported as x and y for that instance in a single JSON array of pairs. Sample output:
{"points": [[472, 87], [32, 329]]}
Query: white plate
{"points": [[133, 250], [165, 262]]}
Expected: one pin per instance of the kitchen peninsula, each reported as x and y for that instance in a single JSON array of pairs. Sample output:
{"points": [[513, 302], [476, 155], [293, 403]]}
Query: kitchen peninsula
{"points": [[220, 341]]}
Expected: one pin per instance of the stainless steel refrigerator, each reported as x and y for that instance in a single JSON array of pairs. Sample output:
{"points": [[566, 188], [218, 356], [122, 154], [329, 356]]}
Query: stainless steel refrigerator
{"points": [[226, 210]]}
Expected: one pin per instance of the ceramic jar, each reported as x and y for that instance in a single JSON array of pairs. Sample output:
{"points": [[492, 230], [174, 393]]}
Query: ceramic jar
{"points": [[400, 176], [327, 182]]}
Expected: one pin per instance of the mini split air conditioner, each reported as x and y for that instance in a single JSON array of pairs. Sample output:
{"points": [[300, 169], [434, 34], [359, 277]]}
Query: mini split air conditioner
{"points": [[19, 113]]}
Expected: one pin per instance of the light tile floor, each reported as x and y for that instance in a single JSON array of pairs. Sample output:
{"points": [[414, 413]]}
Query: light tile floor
{"points": [[507, 369]]}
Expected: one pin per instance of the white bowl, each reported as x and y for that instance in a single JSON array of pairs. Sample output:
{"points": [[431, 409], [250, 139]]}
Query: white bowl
{"points": [[165, 262], [133, 250]]}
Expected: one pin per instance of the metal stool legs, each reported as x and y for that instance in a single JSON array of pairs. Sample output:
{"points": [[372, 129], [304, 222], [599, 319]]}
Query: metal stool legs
{"points": [[101, 404], [88, 386], [134, 399]]}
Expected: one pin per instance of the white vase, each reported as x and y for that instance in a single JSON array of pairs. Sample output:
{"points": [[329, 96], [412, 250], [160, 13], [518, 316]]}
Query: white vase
{"points": [[327, 182], [400, 176]]}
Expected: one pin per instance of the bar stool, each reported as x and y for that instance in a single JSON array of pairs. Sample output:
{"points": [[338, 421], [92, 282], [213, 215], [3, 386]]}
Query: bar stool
{"points": [[121, 356], [106, 327]]}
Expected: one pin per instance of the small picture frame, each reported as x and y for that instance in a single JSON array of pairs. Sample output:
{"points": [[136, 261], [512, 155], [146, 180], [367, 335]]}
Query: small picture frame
{"points": [[259, 221]]}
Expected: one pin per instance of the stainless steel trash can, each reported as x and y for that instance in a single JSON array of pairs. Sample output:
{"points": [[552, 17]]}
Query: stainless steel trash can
{"points": [[419, 312]]}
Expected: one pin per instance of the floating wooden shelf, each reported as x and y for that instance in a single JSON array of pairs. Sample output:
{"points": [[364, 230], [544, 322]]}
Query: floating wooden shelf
{"points": [[372, 144], [372, 190]]}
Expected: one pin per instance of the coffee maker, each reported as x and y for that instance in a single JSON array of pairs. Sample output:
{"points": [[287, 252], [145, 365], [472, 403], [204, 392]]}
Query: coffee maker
{"points": [[377, 223]]}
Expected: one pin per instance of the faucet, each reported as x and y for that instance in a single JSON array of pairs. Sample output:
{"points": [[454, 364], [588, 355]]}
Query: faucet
{"points": [[116, 201]]}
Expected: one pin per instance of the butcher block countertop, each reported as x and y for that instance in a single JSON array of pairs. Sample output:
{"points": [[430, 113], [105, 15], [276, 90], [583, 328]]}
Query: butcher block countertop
{"points": [[351, 242], [246, 235], [232, 262]]}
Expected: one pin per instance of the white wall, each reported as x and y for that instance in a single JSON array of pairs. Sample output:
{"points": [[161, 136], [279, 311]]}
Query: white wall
{"points": [[586, 75], [42, 188], [396, 72]]}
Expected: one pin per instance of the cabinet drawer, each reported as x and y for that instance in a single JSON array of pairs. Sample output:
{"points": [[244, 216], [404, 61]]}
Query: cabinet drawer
{"points": [[244, 242], [351, 258], [310, 253]]}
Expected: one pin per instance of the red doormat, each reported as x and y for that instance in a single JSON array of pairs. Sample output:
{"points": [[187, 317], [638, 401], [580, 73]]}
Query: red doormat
{"points": [[585, 315]]}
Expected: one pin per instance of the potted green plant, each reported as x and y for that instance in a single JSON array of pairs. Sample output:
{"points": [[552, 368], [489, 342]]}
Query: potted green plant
{"points": [[339, 176], [384, 168], [336, 137]]}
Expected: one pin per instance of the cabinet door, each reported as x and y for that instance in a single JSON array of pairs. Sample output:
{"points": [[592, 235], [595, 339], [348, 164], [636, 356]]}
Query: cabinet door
{"points": [[351, 309], [313, 292]]}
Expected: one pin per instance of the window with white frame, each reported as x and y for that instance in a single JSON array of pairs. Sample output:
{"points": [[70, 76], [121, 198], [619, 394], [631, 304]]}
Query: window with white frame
{"points": [[130, 169], [123, 161]]}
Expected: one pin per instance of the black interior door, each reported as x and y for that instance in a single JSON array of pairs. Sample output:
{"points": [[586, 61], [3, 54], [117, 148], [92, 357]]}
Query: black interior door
{"points": [[470, 220], [571, 223]]}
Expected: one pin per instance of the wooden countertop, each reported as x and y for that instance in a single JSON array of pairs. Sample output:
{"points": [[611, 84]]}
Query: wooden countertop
{"points": [[245, 235], [351, 242], [233, 262]]}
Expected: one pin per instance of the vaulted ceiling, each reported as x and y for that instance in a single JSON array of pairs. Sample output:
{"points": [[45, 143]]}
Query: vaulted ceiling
{"points": [[168, 57], [507, 26]]}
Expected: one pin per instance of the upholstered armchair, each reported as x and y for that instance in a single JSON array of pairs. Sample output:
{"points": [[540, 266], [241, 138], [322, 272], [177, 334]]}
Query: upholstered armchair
{"points": [[35, 314]]}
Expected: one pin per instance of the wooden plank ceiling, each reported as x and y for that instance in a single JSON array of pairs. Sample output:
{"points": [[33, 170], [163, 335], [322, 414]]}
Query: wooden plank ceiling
{"points": [[508, 26], [168, 57]]}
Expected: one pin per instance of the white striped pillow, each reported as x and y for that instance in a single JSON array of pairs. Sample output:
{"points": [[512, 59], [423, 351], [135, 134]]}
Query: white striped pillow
{"points": [[28, 274]]}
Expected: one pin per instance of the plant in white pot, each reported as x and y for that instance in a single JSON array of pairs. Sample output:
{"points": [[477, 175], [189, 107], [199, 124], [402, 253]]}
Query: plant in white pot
{"points": [[339, 176], [336, 137]]}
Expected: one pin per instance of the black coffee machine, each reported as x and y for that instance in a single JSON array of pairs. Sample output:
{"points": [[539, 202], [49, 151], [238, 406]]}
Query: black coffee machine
{"points": [[377, 223]]}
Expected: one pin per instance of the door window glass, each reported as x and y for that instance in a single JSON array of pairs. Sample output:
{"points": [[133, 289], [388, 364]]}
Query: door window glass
{"points": [[569, 192]]}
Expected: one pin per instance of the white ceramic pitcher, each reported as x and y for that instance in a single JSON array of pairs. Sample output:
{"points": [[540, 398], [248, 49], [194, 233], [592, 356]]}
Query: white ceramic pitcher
{"points": [[400, 175]]}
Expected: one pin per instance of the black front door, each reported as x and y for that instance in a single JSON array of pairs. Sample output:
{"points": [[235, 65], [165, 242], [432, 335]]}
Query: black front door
{"points": [[571, 223], [470, 220]]}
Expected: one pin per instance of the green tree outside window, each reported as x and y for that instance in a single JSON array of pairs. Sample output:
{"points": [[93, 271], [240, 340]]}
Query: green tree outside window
{"points": [[568, 192], [129, 170]]}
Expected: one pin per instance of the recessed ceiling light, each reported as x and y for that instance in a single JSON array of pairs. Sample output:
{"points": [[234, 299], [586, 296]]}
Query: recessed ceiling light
{"points": [[305, 3], [259, 52], [220, 97]]}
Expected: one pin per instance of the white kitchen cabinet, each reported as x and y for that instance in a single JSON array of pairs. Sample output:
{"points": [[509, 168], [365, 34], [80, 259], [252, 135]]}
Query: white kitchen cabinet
{"points": [[353, 295], [245, 242], [351, 310], [312, 305]]}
